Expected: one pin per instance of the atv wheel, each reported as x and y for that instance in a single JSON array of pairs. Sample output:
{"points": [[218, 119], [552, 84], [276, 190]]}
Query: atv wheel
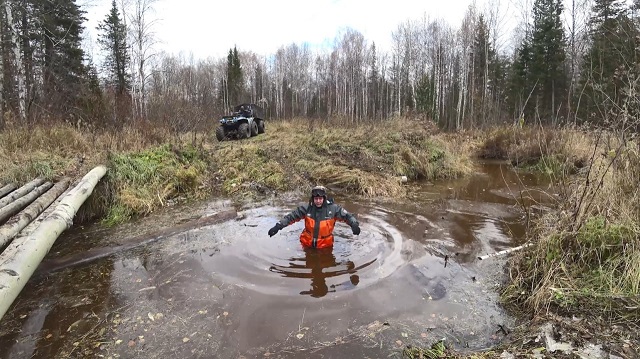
{"points": [[260, 126], [244, 131], [254, 129], [220, 134]]}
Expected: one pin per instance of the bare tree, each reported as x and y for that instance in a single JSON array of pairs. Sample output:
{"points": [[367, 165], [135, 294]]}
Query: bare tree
{"points": [[17, 59], [352, 48], [465, 48], [143, 41], [124, 9], [2, 23]]}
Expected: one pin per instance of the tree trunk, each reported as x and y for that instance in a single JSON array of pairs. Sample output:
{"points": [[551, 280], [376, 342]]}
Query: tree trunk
{"points": [[21, 192], [8, 188], [1, 74], [15, 225], [17, 205], [22, 256], [17, 62]]}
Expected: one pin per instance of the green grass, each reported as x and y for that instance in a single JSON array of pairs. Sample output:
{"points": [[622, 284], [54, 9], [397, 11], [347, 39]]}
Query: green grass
{"points": [[143, 181]]}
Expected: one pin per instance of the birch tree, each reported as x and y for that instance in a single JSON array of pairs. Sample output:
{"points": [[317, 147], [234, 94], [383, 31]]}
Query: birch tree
{"points": [[2, 31], [143, 41], [468, 79], [16, 52]]}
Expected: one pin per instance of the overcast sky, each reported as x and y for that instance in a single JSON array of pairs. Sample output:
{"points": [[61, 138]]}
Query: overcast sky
{"points": [[209, 28]]}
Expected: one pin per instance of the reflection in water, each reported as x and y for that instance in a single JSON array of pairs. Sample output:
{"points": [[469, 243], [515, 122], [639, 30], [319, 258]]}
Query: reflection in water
{"points": [[320, 264]]}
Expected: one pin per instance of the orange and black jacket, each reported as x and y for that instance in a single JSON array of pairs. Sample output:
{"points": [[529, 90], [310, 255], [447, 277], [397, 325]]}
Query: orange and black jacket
{"points": [[318, 223]]}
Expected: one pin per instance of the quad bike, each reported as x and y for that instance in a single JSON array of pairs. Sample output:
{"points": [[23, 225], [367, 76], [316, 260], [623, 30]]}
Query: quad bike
{"points": [[246, 120]]}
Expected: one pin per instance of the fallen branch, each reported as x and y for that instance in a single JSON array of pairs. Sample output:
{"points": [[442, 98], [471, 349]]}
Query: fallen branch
{"points": [[21, 192], [506, 251], [7, 189], [23, 255], [20, 203], [16, 224]]}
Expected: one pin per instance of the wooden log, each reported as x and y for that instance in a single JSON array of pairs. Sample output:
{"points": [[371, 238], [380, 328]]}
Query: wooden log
{"points": [[506, 251], [17, 223], [21, 258], [36, 222], [21, 192], [17, 205], [7, 189]]}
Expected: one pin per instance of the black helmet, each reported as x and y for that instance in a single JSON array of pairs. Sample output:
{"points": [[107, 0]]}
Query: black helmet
{"points": [[319, 191]]}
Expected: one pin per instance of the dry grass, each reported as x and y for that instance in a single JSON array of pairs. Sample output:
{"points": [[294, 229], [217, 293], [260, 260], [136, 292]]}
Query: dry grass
{"points": [[135, 183], [588, 253], [149, 166], [367, 159], [548, 150], [62, 149]]}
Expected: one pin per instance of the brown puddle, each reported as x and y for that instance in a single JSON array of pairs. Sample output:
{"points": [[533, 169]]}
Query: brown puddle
{"points": [[228, 290]]}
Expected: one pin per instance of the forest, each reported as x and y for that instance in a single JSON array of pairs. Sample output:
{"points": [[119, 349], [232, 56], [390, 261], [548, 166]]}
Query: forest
{"points": [[565, 66], [558, 96]]}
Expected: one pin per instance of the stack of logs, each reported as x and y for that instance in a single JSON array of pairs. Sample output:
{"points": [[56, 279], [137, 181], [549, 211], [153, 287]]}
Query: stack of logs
{"points": [[30, 224], [36, 196]]}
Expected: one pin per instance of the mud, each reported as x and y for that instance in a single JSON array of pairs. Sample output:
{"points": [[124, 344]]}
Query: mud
{"points": [[228, 290]]}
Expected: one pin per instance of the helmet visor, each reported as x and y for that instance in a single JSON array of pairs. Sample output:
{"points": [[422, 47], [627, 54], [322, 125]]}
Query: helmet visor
{"points": [[317, 192]]}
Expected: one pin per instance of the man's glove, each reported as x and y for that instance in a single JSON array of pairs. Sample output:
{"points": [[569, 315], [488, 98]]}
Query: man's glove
{"points": [[355, 228], [275, 229]]}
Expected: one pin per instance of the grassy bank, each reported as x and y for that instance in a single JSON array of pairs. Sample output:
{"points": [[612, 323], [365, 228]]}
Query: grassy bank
{"points": [[150, 168], [553, 151], [147, 165], [368, 160], [586, 257]]}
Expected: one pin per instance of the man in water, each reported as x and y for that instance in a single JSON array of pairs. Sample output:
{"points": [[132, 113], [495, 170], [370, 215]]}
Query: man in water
{"points": [[320, 217]]}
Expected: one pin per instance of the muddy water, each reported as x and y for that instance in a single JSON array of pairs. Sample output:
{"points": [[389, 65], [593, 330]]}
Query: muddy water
{"points": [[228, 290]]}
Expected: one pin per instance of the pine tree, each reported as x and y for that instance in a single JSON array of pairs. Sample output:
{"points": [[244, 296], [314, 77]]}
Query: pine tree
{"points": [[235, 81], [609, 61], [52, 56], [484, 57], [549, 68], [520, 81], [498, 83], [113, 42], [425, 96], [606, 15]]}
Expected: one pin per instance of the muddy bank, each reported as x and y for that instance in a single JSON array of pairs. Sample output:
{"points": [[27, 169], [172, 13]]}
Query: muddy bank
{"points": [[228, 290]]}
